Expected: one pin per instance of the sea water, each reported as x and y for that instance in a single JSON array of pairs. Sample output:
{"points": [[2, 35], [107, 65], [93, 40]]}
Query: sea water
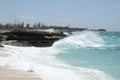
{"points": [[80, 56]]}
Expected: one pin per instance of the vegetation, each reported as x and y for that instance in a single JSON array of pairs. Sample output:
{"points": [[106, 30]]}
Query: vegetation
{"points": [[10, 26]]}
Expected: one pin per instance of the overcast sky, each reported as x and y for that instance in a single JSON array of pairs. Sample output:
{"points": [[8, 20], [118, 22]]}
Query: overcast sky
{"points": [[76, 13]]}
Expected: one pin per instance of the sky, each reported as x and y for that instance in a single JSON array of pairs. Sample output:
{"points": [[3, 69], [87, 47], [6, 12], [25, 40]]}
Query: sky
{"points": [[91, 14]]}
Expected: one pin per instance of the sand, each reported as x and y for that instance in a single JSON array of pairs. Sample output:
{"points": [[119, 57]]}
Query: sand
{"points": [[10, 74]]}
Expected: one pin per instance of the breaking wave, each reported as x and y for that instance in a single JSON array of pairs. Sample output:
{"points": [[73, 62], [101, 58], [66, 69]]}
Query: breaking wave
{"points": [[43, 61], [83, 39]]}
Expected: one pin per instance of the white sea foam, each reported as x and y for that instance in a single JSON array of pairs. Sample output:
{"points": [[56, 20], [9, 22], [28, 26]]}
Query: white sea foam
{"points": [[83, 39], [43, 62], [50, 30]]}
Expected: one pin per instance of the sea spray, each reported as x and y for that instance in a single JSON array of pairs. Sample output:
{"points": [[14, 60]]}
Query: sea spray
{"points": [[82, 39]]}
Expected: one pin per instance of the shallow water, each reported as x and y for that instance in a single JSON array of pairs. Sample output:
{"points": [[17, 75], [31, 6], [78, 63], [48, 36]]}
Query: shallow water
{"points": [[81, 56]]}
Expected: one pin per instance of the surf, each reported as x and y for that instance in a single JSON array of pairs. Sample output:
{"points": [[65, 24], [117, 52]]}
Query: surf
{"points": [[44, 62]]}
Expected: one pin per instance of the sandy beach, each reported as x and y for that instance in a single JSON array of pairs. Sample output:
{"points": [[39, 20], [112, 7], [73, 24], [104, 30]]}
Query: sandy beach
{"points": [[10, 74]]}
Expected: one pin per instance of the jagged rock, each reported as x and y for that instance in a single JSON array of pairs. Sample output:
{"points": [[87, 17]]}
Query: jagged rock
{"points": [[32, 38]]}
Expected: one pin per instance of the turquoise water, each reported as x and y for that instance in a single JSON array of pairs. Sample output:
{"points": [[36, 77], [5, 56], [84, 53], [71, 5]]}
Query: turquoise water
{"points": [[96, 50], [80, 56]]}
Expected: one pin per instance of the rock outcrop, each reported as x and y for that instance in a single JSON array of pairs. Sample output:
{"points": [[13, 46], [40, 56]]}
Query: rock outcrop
{"points": [[30, 38]]}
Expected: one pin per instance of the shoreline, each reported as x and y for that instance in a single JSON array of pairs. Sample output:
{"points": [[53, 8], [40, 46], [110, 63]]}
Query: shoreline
{"points": [[12, 74]]}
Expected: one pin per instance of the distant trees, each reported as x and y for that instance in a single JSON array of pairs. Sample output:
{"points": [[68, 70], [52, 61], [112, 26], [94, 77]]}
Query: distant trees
{"points": [[22, 24], [101, 29], [27, 25], [39, 25], [1, 25], [12, 26]]}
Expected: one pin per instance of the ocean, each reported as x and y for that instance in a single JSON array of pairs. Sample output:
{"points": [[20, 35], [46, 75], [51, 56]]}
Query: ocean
{"points": [[80, 56]]}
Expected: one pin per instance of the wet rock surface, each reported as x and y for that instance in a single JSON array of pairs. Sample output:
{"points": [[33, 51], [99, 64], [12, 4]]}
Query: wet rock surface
{"points": [[30, 38]]}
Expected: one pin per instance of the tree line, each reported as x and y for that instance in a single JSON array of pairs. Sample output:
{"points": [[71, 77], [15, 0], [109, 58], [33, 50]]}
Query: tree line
{"points": [[22, 25]]}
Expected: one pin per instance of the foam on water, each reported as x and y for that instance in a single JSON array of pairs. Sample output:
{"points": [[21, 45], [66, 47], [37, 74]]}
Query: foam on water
{"points": [[83, 39], [43, 61]]}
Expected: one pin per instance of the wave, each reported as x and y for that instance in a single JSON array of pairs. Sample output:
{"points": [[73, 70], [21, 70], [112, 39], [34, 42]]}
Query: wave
{"points": [[43, 61], [88, 39], [83, 39]]}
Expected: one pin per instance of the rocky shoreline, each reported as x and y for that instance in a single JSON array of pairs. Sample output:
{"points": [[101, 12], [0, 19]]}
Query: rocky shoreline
{"points": [[30, 38]]}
